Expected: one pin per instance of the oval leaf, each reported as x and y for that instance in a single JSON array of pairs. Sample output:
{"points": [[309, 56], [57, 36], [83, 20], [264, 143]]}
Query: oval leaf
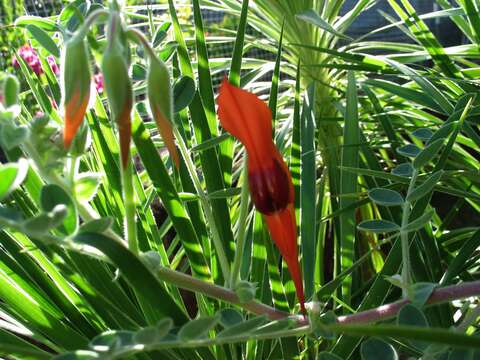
{"points": [[419, 222], [53, 195], [86, 186], [373, 349], [245, 327], [378, 226], [405, 170], [385, 197], [229, 317], [197, 328], [427, 154], [97, 225], [44, 39], [139, 72], [413, 316], [419, 292], [409, 150], [104, 341], [425, 187], [423, 134], [12, 176], [183, 93]]}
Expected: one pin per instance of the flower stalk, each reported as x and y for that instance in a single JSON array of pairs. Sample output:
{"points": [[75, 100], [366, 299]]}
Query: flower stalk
{"points": [[406, 272]]}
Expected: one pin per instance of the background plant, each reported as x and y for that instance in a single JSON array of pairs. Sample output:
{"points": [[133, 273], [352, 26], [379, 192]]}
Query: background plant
{"points": [[65, 281]]}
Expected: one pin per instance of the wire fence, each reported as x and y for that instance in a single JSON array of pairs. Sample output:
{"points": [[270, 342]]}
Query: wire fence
{"points": [[374, 18]]}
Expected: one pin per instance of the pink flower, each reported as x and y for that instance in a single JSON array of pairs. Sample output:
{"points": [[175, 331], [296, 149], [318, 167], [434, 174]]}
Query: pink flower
{"points": [[30, 56], [98, 80], [53, 65]]}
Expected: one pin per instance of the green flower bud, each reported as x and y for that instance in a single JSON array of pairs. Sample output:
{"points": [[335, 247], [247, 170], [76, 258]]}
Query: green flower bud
{"points": [[245, 291], [161, 103], [75, 81], [120, 96], [10, 90]]}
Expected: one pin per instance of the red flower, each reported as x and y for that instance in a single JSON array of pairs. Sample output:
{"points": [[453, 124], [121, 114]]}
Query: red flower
{"points": [[249, 119]]}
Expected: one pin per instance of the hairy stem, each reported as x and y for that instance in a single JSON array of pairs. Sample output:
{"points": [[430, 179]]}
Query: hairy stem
{"points": [[406, 272], [130, 211]]}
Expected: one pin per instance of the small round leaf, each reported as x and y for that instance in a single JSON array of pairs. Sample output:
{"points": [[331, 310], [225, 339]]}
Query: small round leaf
{"points": [[409, 150], [423, 134], [428, 153], [385, 197], [197, 328], [373, 349], [183, 93], [378, 226], [229, 317], [405, 170]]}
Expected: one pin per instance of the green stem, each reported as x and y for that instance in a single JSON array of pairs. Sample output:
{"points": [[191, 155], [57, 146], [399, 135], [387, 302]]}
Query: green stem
{"points": [[91, 19], [130, 211], [139, 38], [73, 163], [217, 241], [242, 225], [406, 272]]}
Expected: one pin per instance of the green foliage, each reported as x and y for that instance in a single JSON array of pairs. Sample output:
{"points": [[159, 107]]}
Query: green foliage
{"points": [[144, 259]]}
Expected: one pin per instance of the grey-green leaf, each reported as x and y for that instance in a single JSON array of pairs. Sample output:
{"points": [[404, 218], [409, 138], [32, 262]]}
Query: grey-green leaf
{"points": [[404, 169], [423, 134], [409, 150], [425, 187], [229, 317], [419, 292], [53, 195], [385, 197], [197, 328], [427, 154], [244, 327], [419, 222], [374, 348], [97, 225], [413, 316], [44, 39], [378, 226]]}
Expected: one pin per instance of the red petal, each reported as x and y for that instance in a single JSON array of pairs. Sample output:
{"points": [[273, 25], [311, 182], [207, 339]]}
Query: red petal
{"points": [[166, 132], [283, 230], [74, 112], [125, 133], [247, 118]]}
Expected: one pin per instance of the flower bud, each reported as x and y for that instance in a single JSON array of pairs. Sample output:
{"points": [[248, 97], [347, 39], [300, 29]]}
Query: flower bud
{"points": [[76, 76], [161, 104], [10, 90], [120, 96]]}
